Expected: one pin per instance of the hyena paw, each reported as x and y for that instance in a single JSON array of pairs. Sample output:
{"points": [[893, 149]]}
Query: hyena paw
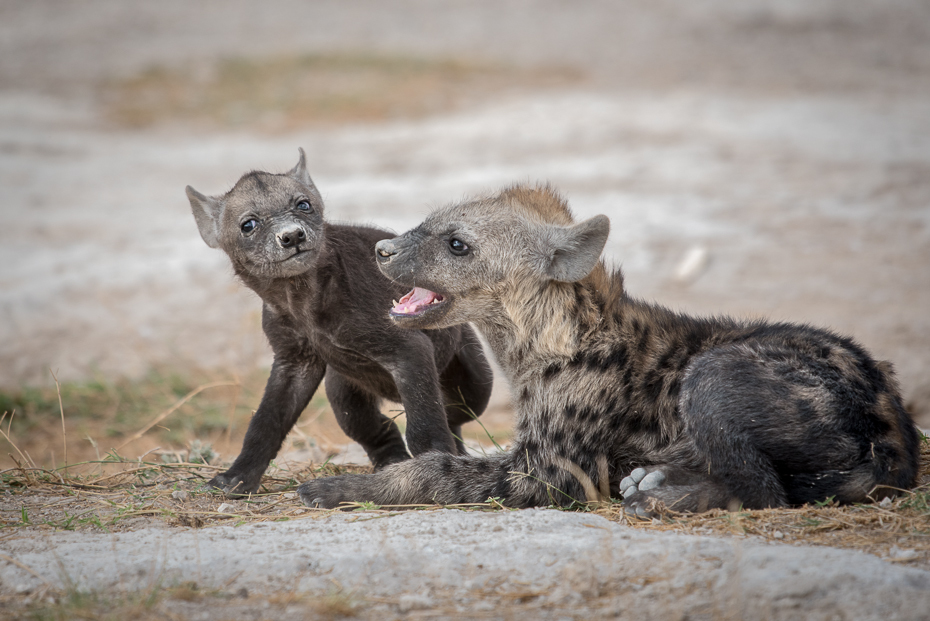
{"points": [[235, 485], [641, 480], [325, 493], [644, 505], [635, 490]]}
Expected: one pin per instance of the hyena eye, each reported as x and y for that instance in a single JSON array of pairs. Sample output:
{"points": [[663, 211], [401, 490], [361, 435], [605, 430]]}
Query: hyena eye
{"points": [[249, 225], [303, 206], [457, 246]]}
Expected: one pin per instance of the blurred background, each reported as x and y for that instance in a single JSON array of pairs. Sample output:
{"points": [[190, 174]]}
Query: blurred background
{"points": [[761, 158]]}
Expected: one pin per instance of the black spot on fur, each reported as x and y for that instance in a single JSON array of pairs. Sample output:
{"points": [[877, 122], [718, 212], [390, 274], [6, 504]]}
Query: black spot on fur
{"points": [[579, 296], [501, 489], [653, 385], [587, 415], [806, 410]]}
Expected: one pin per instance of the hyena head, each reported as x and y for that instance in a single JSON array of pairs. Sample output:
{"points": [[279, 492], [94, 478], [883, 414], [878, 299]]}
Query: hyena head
{"points": [[271, 226], [465, 261]]}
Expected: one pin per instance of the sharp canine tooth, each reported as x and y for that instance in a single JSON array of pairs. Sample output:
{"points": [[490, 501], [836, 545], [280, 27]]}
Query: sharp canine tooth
{"points": [[394, 302]]}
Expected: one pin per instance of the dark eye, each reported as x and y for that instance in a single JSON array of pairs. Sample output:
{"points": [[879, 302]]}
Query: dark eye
{"points": [[249, 225], [303, 206], [457, 246]]}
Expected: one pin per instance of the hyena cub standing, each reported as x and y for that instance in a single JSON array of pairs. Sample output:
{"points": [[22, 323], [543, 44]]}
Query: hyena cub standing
{"points": [[617, 396], [323, 301]]}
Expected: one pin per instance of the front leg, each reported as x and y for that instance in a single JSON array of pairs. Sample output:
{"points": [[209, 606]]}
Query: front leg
{"points": [[290, 387], [417, 382], [359, 415], [431, 478], [519, 478]]}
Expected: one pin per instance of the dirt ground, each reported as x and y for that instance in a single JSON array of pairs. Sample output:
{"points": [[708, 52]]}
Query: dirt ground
{"points": [[759, 158]]}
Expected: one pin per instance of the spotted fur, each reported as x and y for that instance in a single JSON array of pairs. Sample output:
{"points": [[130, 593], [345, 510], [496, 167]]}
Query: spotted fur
{"points": [[728, 412]]}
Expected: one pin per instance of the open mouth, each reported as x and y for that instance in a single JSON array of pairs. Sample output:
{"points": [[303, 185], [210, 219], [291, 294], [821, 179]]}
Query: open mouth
{"points": [[416, 303]]}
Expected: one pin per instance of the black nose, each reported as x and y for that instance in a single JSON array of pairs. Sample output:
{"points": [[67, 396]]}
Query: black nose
{"points": [[384, 250], [294, 237]]}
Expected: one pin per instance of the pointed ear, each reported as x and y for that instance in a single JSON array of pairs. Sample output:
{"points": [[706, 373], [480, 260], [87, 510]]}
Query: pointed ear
{"points": [[574, 251], [299, 172], [207, 212]]}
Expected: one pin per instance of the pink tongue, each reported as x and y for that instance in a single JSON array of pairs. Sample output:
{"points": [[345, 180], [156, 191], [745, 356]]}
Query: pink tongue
{"points": [[415, 300]]}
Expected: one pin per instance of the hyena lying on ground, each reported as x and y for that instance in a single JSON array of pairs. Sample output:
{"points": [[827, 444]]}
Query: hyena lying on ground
{"points": [[323, 312], [617, 396]]}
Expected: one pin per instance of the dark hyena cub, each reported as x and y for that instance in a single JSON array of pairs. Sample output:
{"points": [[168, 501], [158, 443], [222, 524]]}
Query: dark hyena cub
{"points": [[617, 396], [323, 301]]}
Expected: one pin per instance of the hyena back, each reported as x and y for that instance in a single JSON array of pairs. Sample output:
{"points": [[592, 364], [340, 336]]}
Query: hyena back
{"points": [[616, 396]]}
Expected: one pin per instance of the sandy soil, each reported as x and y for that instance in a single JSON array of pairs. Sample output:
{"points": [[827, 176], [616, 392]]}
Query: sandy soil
{"points": [[755, 158]]}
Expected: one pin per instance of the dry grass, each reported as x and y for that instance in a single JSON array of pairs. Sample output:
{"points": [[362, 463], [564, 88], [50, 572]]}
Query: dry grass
{"points": [[166, 412], [897, 530], [117, 494], [165, 489], [166, 481], [124, 494], [281, 93]]}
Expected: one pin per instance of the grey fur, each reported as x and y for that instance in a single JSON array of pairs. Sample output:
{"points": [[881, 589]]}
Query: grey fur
{"points": [[613, 394]]}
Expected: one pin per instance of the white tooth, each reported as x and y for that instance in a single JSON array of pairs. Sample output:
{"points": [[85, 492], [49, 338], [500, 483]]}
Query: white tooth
{"points": [[394, 302]]}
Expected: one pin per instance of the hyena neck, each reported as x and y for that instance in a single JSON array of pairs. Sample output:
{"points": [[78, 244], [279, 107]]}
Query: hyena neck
{"points": [[538, 324], [290, 296]]}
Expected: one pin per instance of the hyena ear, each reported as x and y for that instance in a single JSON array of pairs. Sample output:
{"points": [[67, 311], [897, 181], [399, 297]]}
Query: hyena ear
{"points": [[299, 172], [207, 212], [572, 252]]}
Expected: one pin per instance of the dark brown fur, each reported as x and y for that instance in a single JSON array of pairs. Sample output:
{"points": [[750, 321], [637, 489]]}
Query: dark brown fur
{"points": [[321, 298]]}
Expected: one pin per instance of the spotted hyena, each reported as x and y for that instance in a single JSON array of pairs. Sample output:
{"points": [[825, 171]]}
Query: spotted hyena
{"points": [[616, 396]]}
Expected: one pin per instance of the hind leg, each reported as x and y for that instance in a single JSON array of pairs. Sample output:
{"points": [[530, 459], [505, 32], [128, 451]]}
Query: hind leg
{"points": [[741, 431], [742, 425], [676, 488], [466, 385], [358, 414]]}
